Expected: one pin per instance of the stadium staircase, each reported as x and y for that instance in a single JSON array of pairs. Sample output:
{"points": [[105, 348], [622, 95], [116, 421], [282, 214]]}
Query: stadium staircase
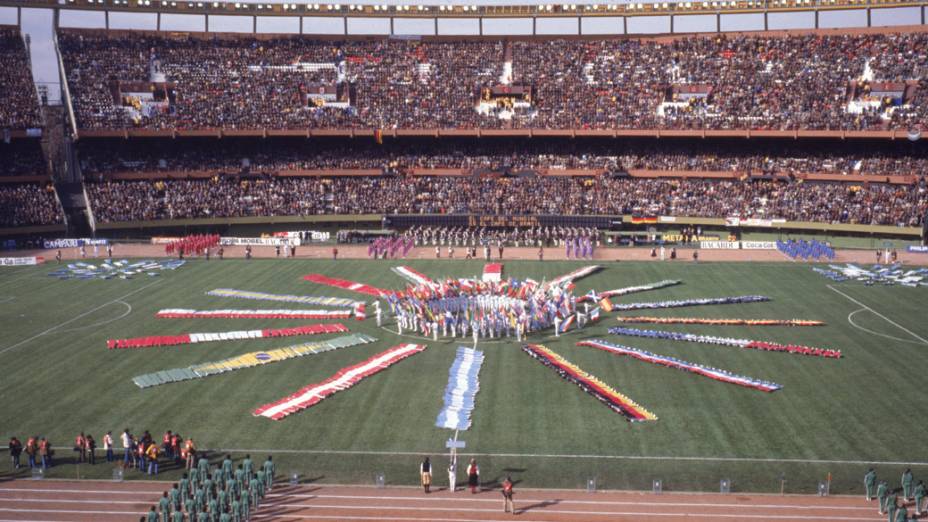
{"points": [[58, 148]]}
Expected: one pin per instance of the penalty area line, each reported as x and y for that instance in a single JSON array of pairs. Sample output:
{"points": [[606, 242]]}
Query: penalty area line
{"points": [[878, 314]]}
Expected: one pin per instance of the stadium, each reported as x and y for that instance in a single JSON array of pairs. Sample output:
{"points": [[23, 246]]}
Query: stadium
{"points": [[411, 260]]}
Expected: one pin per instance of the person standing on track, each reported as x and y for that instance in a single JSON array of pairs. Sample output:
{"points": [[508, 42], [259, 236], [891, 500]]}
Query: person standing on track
{"points": [[907, 484], [269, 472], [108, 445], [425, 474], [507, 496], [164, 506], [869, 483], [882, 493], [453, 474], [91, 449], [32, 449], [919, 497], [473, 476], [80, 446], [16, 449]]}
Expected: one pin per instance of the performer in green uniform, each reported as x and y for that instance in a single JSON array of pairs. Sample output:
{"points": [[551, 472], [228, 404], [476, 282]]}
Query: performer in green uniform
{"points": [[223, 499], [920, 493], [907, 484], [902, 515], [184, 489], [225, 517], [236, 510], [164, 505], [249, 468], [227, 467], [202, 517], [152, 515], [194, 480], [882, 494], [892, 504], [178, 516], [870, 483], [203, 466], [174, 495], [269, 472]]}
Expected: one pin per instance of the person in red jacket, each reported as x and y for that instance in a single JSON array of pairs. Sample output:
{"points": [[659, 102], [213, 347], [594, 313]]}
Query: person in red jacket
{"points": [[473, 476]]}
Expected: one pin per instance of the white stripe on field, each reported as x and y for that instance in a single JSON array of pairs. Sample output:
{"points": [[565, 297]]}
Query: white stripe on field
{"points": [[95, 491], [69, 321], [572, 456], [887, 319]]}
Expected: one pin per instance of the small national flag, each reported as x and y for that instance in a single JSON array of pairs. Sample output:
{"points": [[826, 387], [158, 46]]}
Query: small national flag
{"points": [[594, 314], [606, 304]]}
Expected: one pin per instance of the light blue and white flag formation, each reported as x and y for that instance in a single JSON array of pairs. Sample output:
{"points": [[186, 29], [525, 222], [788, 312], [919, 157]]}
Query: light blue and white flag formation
{"points": [[461, 392], [117, 269]]}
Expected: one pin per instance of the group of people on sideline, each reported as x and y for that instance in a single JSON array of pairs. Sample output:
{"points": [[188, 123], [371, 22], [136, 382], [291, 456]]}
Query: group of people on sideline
{"points": [[473, 480], [215, 494], [892, 504]]}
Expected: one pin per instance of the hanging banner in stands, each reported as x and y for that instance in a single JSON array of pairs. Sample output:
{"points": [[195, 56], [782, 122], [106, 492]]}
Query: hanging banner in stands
{"points": [[20, 261], [758, 245], [73, 243], [254, 241], [502, 221], [720, 245], [752, 222]]}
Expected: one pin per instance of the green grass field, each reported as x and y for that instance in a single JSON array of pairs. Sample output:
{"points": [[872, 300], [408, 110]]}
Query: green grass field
{"points": [[834, 416]]}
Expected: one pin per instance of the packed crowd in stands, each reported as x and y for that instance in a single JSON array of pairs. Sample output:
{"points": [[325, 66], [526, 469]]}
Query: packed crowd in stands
{"points": [[791, 200], [20, 107], [758, 82], [22, 158], [233, 155], [28, 204]]}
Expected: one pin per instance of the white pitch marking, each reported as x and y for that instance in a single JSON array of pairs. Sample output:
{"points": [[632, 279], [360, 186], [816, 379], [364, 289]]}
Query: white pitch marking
{"points": [[69, 321], [575, 456], [855, 325], [105, 321], [887, 319], [95, 491]]}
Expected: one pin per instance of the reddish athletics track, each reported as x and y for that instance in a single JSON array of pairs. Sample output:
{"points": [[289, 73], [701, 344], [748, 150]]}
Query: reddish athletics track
{"points": [[53, 501]]}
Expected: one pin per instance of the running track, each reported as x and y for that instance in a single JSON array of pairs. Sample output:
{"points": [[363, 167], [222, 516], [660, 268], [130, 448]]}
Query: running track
{"points": [[53, 501]]}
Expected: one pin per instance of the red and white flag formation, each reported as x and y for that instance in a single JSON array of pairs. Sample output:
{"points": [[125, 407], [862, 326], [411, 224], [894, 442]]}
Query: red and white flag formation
{"points": [[413, 276], [194, 338], [343, 379], [493, 272], [347, 285], [573, 276], [181, 313]]}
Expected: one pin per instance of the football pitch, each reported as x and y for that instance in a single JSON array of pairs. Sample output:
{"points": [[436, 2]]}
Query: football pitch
{"points": [[837, 416]]}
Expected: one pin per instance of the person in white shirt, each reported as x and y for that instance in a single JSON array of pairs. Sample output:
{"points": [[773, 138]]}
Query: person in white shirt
{"points": [[126, 439], [108, 446]]}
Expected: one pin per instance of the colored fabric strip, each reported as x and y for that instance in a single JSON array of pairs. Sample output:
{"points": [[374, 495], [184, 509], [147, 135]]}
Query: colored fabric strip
{"points": [[671, 362], [692, 302], [461, 392], [249, 360], [181, 313], [347, 285], [614, 400], [342, 380], [194, 338], [414, 277], [720, 322], [728, 341], [573, 276], [283, 298], [596, 296]]}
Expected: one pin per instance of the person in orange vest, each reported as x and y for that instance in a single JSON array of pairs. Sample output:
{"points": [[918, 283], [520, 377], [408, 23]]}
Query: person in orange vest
{"points": [[80, 446], [190, 453], [166, 444], [473, 476], [152, 454], [32, 448], [507, 496], [45, 452]]}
